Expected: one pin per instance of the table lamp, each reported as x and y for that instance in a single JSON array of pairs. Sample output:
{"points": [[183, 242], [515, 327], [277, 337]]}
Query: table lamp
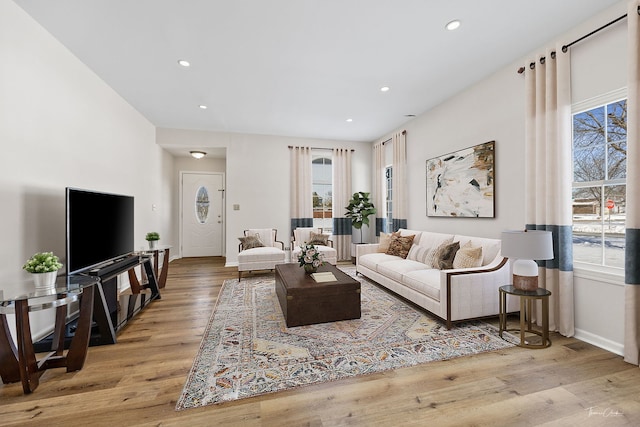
{"points": [[526, 246]]}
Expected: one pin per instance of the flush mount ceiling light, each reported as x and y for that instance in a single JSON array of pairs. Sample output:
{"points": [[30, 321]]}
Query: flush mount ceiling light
{"points": [[384, 89], [453, 25], [203, 107], [184, 63], [198, 154]]}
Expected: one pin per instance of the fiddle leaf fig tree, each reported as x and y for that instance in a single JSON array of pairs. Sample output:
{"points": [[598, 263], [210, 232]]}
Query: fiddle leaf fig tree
{"points": [[359, 210]]}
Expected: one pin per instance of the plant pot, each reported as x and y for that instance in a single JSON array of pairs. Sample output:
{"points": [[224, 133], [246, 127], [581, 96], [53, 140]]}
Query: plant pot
{"points": [[152, 244], [308, 268], [45, 280]]}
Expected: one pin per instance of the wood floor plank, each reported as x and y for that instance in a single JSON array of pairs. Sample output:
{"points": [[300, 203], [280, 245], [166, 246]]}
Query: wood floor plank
{"points": [[137, 381]]}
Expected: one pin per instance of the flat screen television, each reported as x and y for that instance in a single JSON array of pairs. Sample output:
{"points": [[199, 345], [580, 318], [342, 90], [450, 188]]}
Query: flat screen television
{"points": [[99, 228]]}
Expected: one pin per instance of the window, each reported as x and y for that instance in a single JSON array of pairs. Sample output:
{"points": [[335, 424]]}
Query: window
{"points": [[321, 170], [599, 184], [388, 225]]}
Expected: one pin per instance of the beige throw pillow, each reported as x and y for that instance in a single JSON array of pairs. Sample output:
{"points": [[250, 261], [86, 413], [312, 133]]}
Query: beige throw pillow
{"points": [[418, 253], [385, 239], [434, 254], [468, 256], [318, 239], [250, 242]]}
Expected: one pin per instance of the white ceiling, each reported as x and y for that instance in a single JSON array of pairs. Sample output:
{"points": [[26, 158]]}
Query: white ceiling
{"points": [[299, 67]]}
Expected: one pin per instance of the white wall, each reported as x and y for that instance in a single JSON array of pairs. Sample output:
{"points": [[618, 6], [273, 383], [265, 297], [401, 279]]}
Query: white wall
{"points": [[257, 176], [60, 125]]}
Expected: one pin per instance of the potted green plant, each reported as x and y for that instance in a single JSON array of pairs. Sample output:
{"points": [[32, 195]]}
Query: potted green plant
{"points": [[359, 210], [152, 237], [44, 266]]}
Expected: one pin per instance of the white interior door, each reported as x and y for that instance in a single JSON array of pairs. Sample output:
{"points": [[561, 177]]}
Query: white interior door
{"points": [[202, 214]]}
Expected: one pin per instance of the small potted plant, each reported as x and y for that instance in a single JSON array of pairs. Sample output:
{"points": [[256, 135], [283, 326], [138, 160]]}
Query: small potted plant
{"points": [[44, 266], [152, 237], [310, 259]]}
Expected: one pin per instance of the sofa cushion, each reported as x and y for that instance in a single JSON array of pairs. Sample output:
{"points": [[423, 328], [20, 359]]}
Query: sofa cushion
{"points": [[490, 247], [435, 252], [385, 239], [446, 257], [468, 256], [425, 281], [265, 234], [373, 260], [399, 267], [404, 232], [400, 245], [418, 253], [251, 241], [261, 254], [433, 240]]}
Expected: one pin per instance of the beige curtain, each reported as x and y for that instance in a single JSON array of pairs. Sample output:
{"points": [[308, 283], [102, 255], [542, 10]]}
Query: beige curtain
{"points": [[399, 182], [548, 166], [632, 246], [378, 192], [301, 195], [342, 228]]}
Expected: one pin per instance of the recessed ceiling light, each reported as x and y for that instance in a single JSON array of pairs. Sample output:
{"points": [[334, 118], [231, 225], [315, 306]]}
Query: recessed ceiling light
{"points": [[203, 107], [349, 120], [384, 89], [197, 154], [453, 25], [184, 63]]}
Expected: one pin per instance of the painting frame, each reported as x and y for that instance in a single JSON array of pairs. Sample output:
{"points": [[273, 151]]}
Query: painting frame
{"points": [[461, 184]]}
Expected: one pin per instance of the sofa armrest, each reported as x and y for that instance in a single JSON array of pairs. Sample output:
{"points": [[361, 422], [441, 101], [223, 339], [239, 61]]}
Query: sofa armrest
{"points": [[365, 248], [457, 281]]}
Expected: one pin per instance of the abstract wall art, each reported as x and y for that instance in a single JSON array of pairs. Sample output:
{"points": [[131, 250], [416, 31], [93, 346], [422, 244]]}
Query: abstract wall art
{"points": [[461, 184]]}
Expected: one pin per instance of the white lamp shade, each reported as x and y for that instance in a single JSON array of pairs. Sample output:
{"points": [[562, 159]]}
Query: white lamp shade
{"points": [[532, 244]]}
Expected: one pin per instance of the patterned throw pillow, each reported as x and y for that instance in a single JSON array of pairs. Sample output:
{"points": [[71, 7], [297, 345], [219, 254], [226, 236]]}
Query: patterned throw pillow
{"points": [[418, 253], [385, 239], [318, 239], [468, 256], [445, 260], [433, 255], [250, 242], [400, 245]]}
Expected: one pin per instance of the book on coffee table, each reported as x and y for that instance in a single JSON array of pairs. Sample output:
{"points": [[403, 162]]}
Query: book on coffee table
{"points": [[325, 276]]}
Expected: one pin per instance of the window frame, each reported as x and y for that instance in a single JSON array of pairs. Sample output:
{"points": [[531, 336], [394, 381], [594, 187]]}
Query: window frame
{"points": [[324, 223]]}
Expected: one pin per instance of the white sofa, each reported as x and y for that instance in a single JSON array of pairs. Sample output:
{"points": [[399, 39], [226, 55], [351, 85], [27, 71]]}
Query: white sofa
{"points": [[451, 294]]}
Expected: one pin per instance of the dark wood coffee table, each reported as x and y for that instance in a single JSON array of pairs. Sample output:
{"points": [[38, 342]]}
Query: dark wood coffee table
{"points": [[305, 301]]}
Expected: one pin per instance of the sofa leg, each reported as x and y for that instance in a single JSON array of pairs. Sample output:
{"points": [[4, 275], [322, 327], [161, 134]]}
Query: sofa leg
{"points": [[239, 275], [449, 324]]}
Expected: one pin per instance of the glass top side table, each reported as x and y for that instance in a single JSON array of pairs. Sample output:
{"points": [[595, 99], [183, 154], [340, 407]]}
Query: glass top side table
{"points": [[526, 307], [20, 364]]}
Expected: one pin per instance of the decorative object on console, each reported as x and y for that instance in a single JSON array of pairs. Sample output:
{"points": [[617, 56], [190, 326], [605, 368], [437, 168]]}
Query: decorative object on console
{"points": [[152, 237], [526, 246], [44, 266], [461, 184], [359, 210], [310, 259]]}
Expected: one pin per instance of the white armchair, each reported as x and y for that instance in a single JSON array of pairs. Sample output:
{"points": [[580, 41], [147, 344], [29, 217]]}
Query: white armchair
{"points": [[260, 250], [322, 242]]}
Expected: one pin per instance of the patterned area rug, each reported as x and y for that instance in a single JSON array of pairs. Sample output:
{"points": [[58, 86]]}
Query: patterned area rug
{"points": [[247, 350]]}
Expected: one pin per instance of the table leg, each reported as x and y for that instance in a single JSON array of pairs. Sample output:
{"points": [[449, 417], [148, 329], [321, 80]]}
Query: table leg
{"points": [[162, 280], [77, 353], [28, 365], [545, 322], [9, 368], [523, 315]]}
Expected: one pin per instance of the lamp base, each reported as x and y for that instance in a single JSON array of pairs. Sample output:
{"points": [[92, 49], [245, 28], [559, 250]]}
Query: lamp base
{"points": [[525, 283]]}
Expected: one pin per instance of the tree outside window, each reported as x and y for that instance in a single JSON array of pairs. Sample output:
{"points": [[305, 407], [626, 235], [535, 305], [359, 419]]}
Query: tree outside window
{"points": [[599, 184]]}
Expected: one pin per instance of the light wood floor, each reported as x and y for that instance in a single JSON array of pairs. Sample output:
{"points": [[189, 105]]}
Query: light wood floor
{"points": [[137, 381]]}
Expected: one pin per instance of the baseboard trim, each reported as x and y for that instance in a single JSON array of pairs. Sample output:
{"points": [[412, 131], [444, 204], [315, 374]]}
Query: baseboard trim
{"points": [[598, 341]]}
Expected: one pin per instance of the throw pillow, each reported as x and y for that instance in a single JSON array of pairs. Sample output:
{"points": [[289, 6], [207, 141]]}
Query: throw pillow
{"points": [[400, 245], [433, 255], [445, 260], [250, 242], [468, 256], [318, 239], [418, 253], [385, 239]]}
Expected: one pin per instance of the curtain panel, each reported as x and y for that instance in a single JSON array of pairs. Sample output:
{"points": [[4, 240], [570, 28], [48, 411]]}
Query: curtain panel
{"points": [[632, 232], [378, 193], [342, 226], [301, 210], [548, 166], [399, 184]]}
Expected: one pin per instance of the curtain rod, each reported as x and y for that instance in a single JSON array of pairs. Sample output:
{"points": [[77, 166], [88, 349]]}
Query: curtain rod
{"points": [[319, 148], [566, 47]]}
